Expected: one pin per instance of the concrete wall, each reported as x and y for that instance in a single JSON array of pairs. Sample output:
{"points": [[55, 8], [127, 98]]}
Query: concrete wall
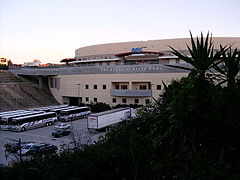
{"points": [[75, 86]]}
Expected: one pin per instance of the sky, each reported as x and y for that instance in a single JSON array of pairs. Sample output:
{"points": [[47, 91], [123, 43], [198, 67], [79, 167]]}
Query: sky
{"points": [[51, 30]]}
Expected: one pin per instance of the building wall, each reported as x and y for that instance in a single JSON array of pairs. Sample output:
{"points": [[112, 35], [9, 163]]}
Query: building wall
{"points": [[75, 86], [113, 77]]}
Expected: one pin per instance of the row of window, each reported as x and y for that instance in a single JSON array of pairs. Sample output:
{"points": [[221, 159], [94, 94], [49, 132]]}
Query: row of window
{"points": [[124, 100], [95, 86], [141, 87], [114, 100]]}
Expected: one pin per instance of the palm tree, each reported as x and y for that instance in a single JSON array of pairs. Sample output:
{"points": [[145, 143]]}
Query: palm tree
{"points": [[229, 66], [202, 56]]}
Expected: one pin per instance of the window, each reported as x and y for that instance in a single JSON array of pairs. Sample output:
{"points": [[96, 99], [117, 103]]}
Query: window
{"points": [[177, 61], [124, 86], [55, 83], [124, 100], [117, 86], [149, 86], [143, 87], [158, 87], [114, 100], [104, 86], [51, 82], [108, 63], [86, 86], [95, 99], [87, 99], [136, 101], [147, 101], [95, 86], [100, 63]]}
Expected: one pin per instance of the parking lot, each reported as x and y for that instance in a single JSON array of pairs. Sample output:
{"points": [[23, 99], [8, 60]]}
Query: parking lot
{"points": [[43, 135]]}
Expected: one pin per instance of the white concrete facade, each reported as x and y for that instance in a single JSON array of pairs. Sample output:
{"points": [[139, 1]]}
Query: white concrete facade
{"points": [[97, 87]]}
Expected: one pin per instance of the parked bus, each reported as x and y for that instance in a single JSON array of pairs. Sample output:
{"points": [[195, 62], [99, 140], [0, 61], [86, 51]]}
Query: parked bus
{"points": [[48, 108], [33, 121], [57, 110], [75, 113], [5, 121], [11, 112]]}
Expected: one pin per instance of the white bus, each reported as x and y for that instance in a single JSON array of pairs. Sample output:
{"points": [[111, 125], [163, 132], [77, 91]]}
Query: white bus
{"points": [[75, 113], [33, 121], [11, 112], [57, 110], [5, 121], [48, 108]]}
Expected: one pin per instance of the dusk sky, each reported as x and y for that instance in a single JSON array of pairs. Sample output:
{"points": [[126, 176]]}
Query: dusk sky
{"points": [[50, 30]]}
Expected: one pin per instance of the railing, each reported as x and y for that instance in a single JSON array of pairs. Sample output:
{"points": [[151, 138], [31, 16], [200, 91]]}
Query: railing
{"points": [[131, 93], [120, 69]]}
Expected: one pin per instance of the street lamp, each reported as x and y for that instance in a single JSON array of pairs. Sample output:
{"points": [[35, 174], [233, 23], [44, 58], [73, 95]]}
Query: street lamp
{"points": [[79, 99]]}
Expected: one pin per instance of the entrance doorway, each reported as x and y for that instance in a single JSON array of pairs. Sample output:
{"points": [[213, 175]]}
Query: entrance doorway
{"points": [[74, 101]]}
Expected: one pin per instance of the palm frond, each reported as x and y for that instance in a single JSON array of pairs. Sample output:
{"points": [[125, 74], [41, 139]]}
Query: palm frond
{"points": [[179, 67]]}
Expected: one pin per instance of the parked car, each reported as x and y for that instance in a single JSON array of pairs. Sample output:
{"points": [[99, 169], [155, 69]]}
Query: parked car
{"points": [[43, 148], [61, 132], [26, 149], [14, 147], [63, 126]]}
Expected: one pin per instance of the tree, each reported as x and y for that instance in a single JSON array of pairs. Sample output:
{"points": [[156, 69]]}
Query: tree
{"points": [[229, 66], [202, 56]]}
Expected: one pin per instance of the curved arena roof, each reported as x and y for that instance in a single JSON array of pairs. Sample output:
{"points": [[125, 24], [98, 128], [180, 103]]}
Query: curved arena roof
{"points": [[151, 45]]}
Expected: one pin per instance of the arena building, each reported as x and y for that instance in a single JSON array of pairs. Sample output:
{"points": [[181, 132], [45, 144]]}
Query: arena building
{"points": [[123, 73], [120, 73]]}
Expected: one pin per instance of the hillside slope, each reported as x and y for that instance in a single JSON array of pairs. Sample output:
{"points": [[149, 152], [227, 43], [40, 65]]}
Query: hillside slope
{"points": [[20, 93]]}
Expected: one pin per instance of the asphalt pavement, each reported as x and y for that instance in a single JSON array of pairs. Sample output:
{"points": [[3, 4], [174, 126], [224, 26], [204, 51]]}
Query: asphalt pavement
{"points": [[80, 135]]}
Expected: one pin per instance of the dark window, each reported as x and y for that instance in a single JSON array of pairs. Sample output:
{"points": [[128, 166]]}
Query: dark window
{"points": [[158, 87], [95, 86], [114, 100], [104, 86], [124, 100], [143, 87], [86, 86], [51, 82], [87, 99], [117, 86], [124, 86], [149, 86], [147, 101], [136, 101], [95, 99], [57, 83], [108, 63]]}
